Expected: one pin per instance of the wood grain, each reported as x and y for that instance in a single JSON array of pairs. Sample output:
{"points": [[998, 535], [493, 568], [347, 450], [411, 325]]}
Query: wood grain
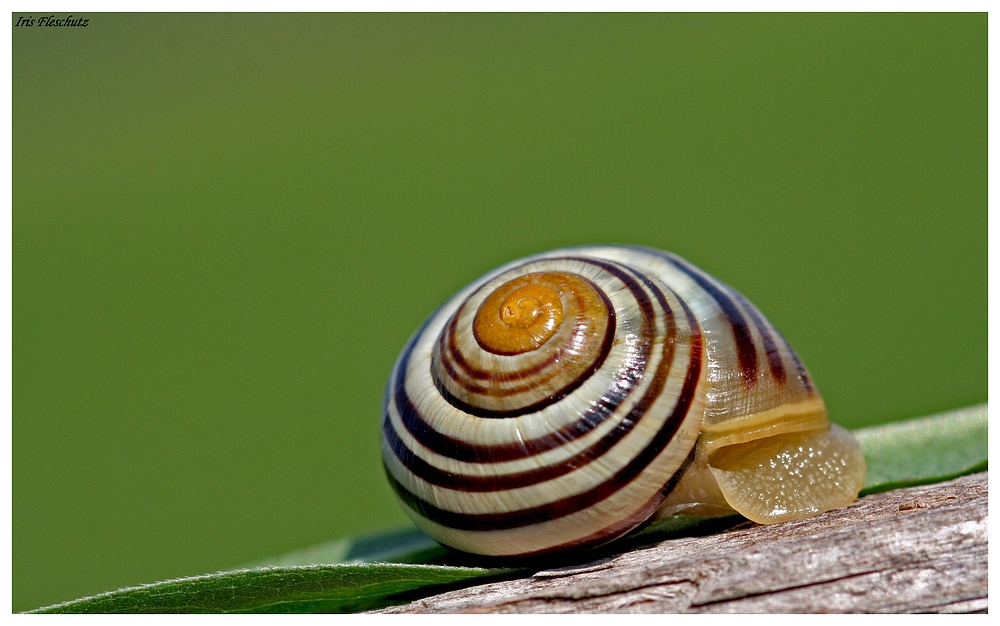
{"points": [[922, 549]]}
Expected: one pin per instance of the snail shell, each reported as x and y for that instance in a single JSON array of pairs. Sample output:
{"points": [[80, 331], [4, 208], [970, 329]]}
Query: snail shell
{"points": [[566, 398]]}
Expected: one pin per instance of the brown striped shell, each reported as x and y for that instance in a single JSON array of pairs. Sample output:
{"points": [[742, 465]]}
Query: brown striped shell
{"points": [[564, 399]]}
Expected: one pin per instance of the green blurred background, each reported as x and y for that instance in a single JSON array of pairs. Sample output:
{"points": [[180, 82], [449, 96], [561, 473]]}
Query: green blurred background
{"points": [[226, 227]]}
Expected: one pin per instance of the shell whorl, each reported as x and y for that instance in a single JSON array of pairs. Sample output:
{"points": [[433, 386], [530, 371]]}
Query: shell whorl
{"points": [[554, 402], [515, 347]]}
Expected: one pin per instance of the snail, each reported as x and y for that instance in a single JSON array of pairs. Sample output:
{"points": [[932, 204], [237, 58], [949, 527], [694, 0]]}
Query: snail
{"points": [[567, 398]]}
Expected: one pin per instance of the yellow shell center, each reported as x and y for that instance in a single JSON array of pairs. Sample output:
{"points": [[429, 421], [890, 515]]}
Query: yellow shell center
{"points": [[520, 315], [519, 311]]}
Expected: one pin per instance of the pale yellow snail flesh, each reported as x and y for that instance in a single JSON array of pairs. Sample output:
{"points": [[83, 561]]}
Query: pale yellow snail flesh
{"points": [[567, 398]]}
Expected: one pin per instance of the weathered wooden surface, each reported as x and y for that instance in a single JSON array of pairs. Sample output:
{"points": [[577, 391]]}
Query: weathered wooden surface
{"points": [[922, 549]]}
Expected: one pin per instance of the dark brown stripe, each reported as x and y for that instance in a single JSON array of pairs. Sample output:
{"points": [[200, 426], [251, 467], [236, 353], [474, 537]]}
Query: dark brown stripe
{"points": [[800, 369], [619, 528], [773, 355], [631, 376], [571, 386], [449, 353], [448, 347], [461, 482], [476, 453], [746, 351], [578, 502]]}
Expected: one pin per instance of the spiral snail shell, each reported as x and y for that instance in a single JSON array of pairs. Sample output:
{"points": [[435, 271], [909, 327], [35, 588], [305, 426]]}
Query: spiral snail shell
{"points": [[566, 398]]}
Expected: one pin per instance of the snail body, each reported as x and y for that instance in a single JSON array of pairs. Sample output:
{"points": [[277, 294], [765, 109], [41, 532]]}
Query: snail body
{"points": [[564, 399]]}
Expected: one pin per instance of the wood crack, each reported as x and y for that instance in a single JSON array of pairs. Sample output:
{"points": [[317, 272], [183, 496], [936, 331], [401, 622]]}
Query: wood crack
{"points": [[768, 592]]}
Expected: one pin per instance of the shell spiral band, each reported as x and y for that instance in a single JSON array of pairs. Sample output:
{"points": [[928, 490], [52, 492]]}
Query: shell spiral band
{"points": [[564, 399]]}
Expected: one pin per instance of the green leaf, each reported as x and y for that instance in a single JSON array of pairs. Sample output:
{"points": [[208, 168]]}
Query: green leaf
{"points": [[925, 450], [407, 545], [341, 575], [339, 588]]}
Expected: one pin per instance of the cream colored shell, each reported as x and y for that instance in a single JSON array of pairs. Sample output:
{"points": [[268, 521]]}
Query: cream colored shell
{"points": [[566, 398]]}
